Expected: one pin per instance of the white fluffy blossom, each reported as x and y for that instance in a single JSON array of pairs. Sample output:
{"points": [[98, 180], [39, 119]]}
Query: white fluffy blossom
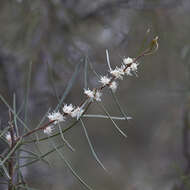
{"points": [[77, 112], [97, 96], [117, 73], [8, 137], [134, 67], [113, 86], [89, 93], [57, 116], [93, 95], [127, 60], [48, 130], [68, 108], [128, 71], [105, 80]]}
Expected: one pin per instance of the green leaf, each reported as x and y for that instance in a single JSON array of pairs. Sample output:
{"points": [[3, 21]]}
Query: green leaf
{"points": [[69, 86], [71, 169], [115, 125], [52, 80], [104, 117], [12, 111], [41, 157], [119, 105], [91, 146], [27, 92], [14, 115], [64, 140], [5, 170], [108, 60]]}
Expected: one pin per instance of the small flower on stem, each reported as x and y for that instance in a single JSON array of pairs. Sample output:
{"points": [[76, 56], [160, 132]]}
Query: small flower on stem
{"points": [[117, 73], [127, 60], [113, 86], [8, 137], [68, 108], [89, 93], [105, 80], [48, 130], [57, 116], [128, 71], [134, 67], [77, 112], [97, 96], [93, 94]]}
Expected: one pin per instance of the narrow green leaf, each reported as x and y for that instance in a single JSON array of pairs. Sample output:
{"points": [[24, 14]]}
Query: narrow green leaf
{"points": [[35, 155], [115, 125], [71, 169], [108, 60], [27, 92], [42, 156], [105, 117], [64, 140], [54, 135], [14, 115], [37, 139], [69, 86], [93, 70], [119, 105], [91, 146], [6, 171], [10, 153], [52, 80], [12, 111], [29, 152]]}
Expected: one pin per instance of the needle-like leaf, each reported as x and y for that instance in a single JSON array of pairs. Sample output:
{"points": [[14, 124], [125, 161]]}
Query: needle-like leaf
{"points": [[91, 146], [70, 168], [115, 125]]}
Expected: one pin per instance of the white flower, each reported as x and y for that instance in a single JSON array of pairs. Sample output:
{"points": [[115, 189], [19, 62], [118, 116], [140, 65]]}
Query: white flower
{"points": [[97, 96], [68, 108], [105, 80], [113, 86], [77, 112], [117, 73], [89, 93], [128, 71], [93, 94], [57, 116], [8, 137], [134, 67], [48, 130], [127, 60]]}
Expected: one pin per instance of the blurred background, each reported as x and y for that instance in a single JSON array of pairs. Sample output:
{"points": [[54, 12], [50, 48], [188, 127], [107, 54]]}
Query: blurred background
{"points": [[57, 36]]}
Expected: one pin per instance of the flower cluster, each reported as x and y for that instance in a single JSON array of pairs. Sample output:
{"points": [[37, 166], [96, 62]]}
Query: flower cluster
{"points": [[93, 94], [57, 117], [128, 67], [49, 129], [72, 111]]}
